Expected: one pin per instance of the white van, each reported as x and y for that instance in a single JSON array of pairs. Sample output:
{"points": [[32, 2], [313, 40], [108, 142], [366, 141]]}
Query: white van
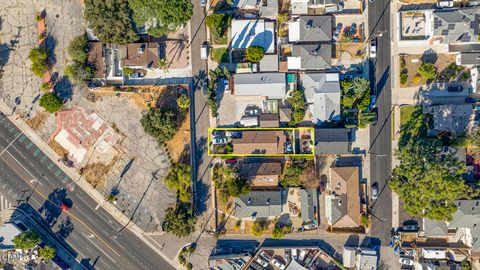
{"points": [[204, 51], [294, 254]]}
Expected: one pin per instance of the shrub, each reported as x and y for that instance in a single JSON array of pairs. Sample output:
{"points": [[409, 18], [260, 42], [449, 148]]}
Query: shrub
{"points": [[179, 220], [127, 71], [181, 259], [466, 75], [38, 17], [160, 125], [39, 57], [277, 233], [44, 87], [417, 78], [51, 102], [78, 48], [428, 71], [26, 240], [403, 63], [298, 107], [364, 220], [183, 102], [218, 23], [258, 228], [403, 78], [47, 253], [254, 54]]}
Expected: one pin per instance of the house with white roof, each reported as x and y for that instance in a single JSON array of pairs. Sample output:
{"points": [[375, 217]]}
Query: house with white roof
{"points": [[253, 32], [271, 85], [322, 93]]}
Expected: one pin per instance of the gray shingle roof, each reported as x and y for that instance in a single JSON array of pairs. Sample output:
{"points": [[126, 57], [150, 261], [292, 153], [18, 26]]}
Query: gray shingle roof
{"points": [[263, 204], [332, 141], [313, 56], [326, 96], [470, 58], [309, 204], [457, 25], [315, 28], [271, 85]]}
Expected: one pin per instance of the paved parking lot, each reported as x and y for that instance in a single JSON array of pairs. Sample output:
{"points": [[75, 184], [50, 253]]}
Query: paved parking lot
{"points": [[232, 108]]}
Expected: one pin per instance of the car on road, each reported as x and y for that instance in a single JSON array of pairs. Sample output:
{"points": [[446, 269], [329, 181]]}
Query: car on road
{"points": [[455, 88], [64, 206], [288, 254], [262, 262], [374, 191], [337, 32], [472, 100], [302, 254], [219, 141], [277, 264], [204, 85], [203, 3], [204, 51], [265, 255], [373, 48], [444, 4], [410, 225], [405, 261]]}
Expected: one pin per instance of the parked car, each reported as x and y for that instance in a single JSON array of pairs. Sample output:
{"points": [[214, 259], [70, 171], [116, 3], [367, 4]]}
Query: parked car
{"points": [[406, 261], [288, 255], [337, 32], [219, 141], [353, 29], [472, 100], [262, 262], [204, 85], [373, 48], [234, 134], [373, 101], [444, 4], [346, 30], [265, 255], [455, 88], [294, 254], [410, 225], [374, 191], [333, 9], [278, 264], [203, 3], [225, 84], [204, 51], [302, 254], [218, 133]]}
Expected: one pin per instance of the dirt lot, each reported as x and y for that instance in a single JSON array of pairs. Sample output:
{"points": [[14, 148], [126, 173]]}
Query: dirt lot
{"points": [[38, 120], [414, 61]]}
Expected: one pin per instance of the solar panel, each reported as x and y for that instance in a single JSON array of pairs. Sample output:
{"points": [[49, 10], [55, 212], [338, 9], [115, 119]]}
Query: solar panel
{"points": [[451, 26], [437, 23]]}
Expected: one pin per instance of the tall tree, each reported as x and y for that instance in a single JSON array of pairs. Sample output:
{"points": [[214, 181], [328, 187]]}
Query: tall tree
{"points": [[179, 220], [159, 16], [110, 20], [27, 239], [161, 125], [179, 179], [427, 181]]}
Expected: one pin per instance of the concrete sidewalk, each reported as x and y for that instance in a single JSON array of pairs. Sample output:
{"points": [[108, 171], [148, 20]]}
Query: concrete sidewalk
{"points": [[78, 179]]}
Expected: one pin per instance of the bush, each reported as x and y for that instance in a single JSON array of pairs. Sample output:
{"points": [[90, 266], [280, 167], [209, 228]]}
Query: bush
{"points": [[127, 71], [189, 266], [254, 54], [179, 220], [183, 102], [291, 175], [298, 107], [364, 220], [27, 240], [44, 87], [403, 78], [39, 57], [258, 228], [403, 63], [38, 17], [428, 71], [218, 24], [181, 259], [51, 102], [277, 233], [466, 75], [47, 253], [80, 70], [179, 179], [160, 125], [417, 78]]}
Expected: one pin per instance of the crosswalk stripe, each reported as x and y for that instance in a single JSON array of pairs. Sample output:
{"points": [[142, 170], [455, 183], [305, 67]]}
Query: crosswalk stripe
{"points": [[9, 205], [1, 199]]}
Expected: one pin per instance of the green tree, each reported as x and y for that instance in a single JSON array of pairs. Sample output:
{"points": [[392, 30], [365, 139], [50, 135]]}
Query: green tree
{"points": [[110, 20], [51, 102], [39, 58], [428, 71], [47, 253], [258, 227], [160, 125], [183, 102], [27, 240], [159, 16], [78, 48], [218, 23], [366, 118], [298, 107], [237, 187], [428, 182], [179, 179], [254, 54], [277, 233], [180, 221], [163, 64], [127, 71], [79, 72], [291, 175]]}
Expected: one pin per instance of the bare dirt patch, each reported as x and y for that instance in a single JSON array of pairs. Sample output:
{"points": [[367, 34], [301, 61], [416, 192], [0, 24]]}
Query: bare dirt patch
{"points": [[308, 177], [38, 120], [95, 173], [180, 141], [413, 62], [353, 50], [58, 148]]}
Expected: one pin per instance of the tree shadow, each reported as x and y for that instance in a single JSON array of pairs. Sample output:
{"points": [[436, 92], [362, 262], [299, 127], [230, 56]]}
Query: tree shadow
{"points": [[429, 56], [64, 88], [65, 228], [50, 210], [383, 81], [416, 127], [50, 44], [352, 241], [201, 189]]}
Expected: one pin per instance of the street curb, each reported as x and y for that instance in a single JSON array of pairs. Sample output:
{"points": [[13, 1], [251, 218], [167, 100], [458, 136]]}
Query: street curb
{"points": [[81, 182]]}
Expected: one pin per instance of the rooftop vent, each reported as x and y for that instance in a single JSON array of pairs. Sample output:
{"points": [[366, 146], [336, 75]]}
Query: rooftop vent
{"points": [[141, 49]]}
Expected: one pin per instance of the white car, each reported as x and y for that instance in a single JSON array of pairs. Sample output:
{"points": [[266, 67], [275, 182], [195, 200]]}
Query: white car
{"points": [[373, 49], [262, 262], [278, 264], [444, 4], [294, 254], [302, 254], [204, 51], [219, 141], [406, 261]]}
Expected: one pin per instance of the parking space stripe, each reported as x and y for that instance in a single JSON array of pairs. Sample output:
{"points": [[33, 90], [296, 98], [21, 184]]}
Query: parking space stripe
{"points": [[22, 138], [44, 158], [51, 166], [29, 145], [58, 172], [36, 152]]}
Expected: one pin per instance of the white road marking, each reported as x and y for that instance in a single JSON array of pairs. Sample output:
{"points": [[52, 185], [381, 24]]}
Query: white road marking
{"points": [[1, 199], [89, 239], [10, 144], [25, 169]]}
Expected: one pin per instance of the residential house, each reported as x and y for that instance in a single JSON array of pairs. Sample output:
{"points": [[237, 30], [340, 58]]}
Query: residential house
{"points": [[456, 25], [253, 32], [261, 204], [245, 5], [140, 55], [322, 92], [8, 231], [463, 228], [260, 142], [468, 58], [269, 120], [271, 85], [262, 174], [310, 29], [96, 58], [342, 203], [366, 259], [457, 119], [299, 7], [309, 207], [269, 63], [333, 141], [311, 37]]}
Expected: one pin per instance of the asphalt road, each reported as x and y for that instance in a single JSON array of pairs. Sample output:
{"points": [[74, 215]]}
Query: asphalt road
{"points": [[92, 230], [381, 133], [199, 112]]}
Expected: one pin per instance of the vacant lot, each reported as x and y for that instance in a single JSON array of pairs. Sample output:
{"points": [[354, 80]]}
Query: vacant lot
{"points": [[413, 62]]}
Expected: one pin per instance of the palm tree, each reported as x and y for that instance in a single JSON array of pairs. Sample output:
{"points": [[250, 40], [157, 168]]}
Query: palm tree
{"points": [[163, 64]]}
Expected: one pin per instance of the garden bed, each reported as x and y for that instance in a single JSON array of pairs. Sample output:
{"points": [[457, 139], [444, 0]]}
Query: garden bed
{"points": [[220, 55], [412, 63]]}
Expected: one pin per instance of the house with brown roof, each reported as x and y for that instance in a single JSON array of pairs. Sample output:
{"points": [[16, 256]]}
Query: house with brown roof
{"points": [[260, 142], [140, 55], [96, 58], [262, 174], [342, 202]]}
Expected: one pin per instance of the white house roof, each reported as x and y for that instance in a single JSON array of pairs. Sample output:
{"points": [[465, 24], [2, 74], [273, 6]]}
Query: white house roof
{"points": [[323, 90], [272, 85], [255, 32], [8, 231]]}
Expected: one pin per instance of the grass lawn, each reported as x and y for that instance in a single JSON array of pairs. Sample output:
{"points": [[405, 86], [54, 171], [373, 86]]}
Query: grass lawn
{"points": [[406, 113], [220, 55], [413, 123]]}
